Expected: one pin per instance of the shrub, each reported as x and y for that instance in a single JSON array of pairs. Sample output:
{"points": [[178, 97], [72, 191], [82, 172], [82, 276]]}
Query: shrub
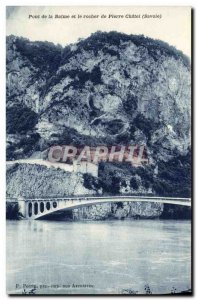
{"points": [[90, 182], [44, 55], [156, 48], [130, 104], [146, 125], [20, 119], [174, 177], [12, 211], [29, 143], [133, 183]]}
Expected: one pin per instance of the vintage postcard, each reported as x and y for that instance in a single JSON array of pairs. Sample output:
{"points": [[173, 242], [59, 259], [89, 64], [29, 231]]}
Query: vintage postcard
{"points": [[98, 160]]}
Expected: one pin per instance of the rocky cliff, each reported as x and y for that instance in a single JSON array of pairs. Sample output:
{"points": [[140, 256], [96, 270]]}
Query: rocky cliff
{"points": [[109, 89], [38, 181]]}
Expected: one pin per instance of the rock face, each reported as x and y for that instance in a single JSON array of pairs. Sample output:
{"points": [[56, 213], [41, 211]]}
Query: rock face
{"points": [[119, 211], [39, 181], [109, 89], [29, 181]]}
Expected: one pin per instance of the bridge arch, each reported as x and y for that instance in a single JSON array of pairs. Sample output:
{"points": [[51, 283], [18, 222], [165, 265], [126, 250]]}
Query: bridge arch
{"points": [[51, 206], [48, 205], [41, 207], [35, 208], [30, 209], [54, 204]]}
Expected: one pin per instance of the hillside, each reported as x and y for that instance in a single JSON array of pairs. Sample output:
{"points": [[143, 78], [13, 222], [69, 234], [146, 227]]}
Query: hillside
{"points": [[109, 89]]}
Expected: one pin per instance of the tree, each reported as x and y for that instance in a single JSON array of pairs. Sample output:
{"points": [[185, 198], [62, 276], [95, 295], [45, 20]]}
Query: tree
{"points": [[133, 183]]}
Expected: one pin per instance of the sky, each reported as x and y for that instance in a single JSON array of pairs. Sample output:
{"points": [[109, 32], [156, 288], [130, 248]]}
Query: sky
{"points": [[174, 26]]}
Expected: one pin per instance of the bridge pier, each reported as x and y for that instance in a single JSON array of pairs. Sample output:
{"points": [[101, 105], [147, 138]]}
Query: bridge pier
{"points": [[22, 206]]}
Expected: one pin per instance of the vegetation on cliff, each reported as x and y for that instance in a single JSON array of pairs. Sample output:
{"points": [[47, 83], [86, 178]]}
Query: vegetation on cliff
{"points": [[108, 89]]}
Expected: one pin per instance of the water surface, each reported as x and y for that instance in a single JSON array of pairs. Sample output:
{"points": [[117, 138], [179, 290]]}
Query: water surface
{"points": [[108, 257]]}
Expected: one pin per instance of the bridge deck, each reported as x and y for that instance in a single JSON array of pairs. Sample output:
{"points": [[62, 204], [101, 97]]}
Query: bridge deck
{"points": [[156, 198], [37, 208]]}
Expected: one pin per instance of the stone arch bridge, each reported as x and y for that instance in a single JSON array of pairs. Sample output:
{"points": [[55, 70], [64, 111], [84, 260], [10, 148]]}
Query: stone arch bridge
{"points": [[39, 208]]}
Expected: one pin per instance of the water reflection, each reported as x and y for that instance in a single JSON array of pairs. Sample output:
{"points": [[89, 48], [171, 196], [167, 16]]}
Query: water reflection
{"points": [[99, 257]]}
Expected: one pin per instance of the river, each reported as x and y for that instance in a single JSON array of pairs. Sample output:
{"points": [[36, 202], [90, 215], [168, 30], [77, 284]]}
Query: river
{"points": [[103, 257]]}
